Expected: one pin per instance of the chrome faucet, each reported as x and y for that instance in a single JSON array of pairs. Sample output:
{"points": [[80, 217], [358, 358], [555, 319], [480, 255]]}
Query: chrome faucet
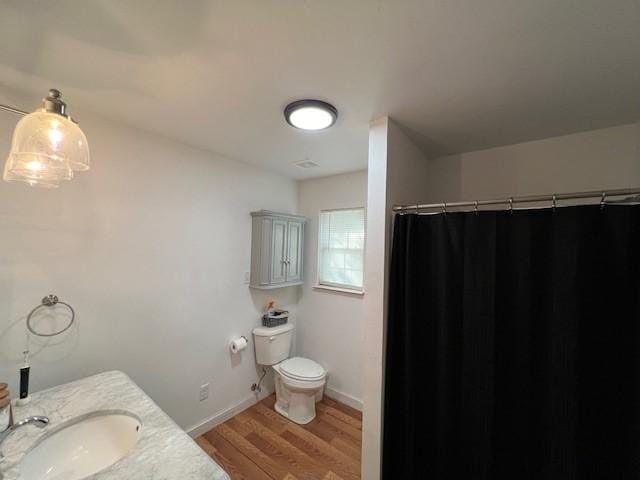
{"points": [[39, 421]]}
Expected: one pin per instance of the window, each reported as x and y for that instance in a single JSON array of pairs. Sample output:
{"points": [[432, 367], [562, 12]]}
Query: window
{"points": [[341, 249]]}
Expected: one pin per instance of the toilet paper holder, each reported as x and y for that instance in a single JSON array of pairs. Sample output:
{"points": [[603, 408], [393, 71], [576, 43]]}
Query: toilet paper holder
{"points": [[239, 344]]}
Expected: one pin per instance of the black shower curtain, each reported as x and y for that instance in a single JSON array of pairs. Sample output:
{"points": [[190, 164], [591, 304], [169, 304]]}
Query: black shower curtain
{"points": [[513, 346]]}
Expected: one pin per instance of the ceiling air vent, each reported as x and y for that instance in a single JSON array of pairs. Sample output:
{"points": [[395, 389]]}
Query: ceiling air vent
{"points": [[306, 164]]}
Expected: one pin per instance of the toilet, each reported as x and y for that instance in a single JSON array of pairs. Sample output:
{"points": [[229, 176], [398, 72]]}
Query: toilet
{"points": [[299, 381]]}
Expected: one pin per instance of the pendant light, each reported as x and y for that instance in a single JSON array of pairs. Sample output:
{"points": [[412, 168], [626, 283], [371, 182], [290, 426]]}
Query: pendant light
{"points": [[47, 145]]}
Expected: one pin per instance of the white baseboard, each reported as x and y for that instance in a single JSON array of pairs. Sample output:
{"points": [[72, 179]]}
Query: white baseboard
{"points": [[225, 415], [252, 399], [343, 398]]}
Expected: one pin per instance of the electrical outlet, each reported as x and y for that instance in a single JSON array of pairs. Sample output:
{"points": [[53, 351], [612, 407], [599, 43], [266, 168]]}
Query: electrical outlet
{"points": [[247, 278], [204, 392]]}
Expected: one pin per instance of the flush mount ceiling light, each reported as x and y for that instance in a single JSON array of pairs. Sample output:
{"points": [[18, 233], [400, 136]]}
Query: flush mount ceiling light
{"points": [[310, 114], [47, 145]]}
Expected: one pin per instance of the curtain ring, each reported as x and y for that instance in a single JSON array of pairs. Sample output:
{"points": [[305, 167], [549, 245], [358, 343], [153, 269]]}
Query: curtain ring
{"points": [[553, 205], [511, 205], [603, 199], [475, 207], [444, 208]]}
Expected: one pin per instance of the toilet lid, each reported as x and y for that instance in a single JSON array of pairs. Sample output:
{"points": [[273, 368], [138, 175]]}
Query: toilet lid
{"points": [[302, 369]]}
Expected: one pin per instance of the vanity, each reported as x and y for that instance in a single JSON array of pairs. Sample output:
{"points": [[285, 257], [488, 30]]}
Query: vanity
{"points": [[117, 429]]}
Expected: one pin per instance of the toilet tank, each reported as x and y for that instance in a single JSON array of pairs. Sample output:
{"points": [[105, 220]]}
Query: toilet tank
{"points": [[273, 345]]}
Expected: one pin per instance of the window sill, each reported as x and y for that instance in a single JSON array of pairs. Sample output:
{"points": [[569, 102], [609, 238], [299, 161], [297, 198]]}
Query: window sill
{"points": [[358, 293]]}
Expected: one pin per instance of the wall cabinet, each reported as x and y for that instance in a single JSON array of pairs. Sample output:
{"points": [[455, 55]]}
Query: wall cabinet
{"points": [[277, 242]]}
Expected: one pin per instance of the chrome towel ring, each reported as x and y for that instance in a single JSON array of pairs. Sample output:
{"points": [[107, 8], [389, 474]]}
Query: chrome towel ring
{"points": [[50, 301]]}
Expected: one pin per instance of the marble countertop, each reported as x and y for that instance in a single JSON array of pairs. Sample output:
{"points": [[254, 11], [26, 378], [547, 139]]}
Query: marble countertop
{"points": [[164, 451]]}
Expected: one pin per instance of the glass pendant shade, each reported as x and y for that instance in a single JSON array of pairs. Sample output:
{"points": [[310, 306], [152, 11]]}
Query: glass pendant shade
{"points": [[46, 149], [36, 170]]}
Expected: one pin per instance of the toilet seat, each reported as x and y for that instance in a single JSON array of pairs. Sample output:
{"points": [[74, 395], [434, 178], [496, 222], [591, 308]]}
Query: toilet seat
{"points": [[302, 369]]}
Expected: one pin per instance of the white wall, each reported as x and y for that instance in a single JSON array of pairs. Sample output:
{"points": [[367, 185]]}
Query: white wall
{"points": [[150, 246], [594, 160], [397, 174], [330, 324]]}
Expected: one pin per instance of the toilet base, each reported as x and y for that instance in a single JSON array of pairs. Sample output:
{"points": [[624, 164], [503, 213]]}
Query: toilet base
{"points": [[298, 405]]}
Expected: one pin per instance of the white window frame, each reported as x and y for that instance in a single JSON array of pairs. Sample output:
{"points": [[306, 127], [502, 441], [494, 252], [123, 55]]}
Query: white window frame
{"points": [[334, 287]]}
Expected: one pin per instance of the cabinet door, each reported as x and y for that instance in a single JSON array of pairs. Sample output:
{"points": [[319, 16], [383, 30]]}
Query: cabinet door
{"points": [[294, 251], [279, 252]]}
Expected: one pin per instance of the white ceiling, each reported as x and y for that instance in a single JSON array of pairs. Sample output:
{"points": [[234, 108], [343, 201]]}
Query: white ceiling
{"points": [[458, 75]]}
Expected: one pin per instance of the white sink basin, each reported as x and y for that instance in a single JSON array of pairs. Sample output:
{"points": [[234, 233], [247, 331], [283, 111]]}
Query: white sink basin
{"points": [[81, 448]]}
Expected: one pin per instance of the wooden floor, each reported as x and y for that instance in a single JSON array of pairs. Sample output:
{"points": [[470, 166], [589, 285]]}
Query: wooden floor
{"points": [[260, 444]]}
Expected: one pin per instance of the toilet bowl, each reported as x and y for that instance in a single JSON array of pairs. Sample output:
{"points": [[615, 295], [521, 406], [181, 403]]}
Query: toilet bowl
{"points": [[299, 385]]}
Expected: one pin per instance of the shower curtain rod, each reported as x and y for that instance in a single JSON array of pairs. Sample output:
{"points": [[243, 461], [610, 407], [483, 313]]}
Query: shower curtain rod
{"points": [[554, 198]]}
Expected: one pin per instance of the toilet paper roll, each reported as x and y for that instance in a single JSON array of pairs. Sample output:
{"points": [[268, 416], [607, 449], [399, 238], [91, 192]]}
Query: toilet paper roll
{"points": [[237, 345]]}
